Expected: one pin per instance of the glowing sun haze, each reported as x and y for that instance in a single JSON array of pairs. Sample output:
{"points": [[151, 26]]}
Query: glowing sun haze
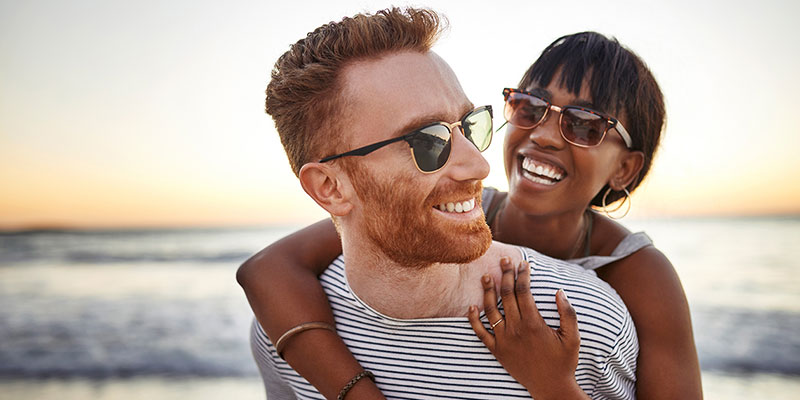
{"points": [[151, 113]]}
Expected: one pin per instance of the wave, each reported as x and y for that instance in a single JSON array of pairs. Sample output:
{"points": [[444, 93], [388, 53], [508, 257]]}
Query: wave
{"points": [[106, 258], [189, 367], [114, 257], [133, 336], [77, 247], [747, 341]]}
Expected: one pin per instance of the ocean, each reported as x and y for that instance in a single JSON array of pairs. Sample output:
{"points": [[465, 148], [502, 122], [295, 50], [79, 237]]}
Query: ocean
{"points": [[157, 314]]}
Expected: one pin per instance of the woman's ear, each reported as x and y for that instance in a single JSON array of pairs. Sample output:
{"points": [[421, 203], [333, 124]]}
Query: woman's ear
{"points": [[628, 166], [328, 186]]}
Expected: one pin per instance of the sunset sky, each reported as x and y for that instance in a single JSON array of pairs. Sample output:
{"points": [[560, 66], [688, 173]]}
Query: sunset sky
{"points": [[151, 113]]}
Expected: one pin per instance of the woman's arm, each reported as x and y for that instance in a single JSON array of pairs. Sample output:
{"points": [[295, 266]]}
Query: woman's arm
{"points": [[667, 367], [281, 285]]}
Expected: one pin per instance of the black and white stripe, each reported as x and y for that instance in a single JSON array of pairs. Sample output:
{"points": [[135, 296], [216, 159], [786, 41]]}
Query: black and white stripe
{"points": [[441, 358]]}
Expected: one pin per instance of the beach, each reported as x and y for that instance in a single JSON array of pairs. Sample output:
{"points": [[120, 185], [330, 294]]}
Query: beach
{"points": [[157, 314]]}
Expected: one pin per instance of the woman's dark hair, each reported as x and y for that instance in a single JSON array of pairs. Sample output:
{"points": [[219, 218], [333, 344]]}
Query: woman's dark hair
{"points": [[619, 81]]}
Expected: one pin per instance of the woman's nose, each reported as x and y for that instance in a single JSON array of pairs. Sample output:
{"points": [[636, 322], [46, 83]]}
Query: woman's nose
{"points": [[547, 134]]}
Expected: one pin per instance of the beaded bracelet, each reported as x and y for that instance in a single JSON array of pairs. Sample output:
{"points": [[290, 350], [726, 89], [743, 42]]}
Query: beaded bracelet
{"points": [[281, 342], [353, 382]]}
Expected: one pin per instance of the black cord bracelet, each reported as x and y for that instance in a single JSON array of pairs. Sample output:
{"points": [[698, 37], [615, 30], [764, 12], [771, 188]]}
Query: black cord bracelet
{"points": [[353, 382]]}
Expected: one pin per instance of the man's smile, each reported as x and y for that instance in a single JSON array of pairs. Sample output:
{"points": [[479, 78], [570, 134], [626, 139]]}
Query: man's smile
{"points": [[458, 206]]}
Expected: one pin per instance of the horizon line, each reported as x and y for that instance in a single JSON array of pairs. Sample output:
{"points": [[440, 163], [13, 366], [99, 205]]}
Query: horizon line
{"points": [[64, 227]]}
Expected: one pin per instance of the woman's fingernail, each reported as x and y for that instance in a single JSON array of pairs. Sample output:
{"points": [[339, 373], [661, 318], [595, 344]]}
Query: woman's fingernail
{"points": [[563, 294], [487, 279]]}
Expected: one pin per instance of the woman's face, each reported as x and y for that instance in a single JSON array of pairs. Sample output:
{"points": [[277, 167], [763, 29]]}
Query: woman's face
{"points": [[546, 174]]}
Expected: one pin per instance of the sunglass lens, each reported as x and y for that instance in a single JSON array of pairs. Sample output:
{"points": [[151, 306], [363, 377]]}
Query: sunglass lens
{"points": [[523, 110], [431, 147], [477, 127], [582, 127]]}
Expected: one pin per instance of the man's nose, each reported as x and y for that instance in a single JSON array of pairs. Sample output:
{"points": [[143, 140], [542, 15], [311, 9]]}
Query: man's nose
{"points": [[466, 162]]}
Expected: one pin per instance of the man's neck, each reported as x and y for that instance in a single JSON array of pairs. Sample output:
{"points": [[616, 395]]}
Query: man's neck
{"points": [[437, 290]]}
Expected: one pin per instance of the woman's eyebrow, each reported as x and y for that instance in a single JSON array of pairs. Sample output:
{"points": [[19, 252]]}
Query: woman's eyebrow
{"points": [[584, 103], [545, 94]]}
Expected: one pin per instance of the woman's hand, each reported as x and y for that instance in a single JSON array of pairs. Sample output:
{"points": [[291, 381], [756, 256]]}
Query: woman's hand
{"points": [[540, 358]]}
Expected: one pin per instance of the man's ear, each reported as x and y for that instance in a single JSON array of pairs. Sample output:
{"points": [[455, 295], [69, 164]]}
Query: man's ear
{"points": [[328, 186], [628, 166]]}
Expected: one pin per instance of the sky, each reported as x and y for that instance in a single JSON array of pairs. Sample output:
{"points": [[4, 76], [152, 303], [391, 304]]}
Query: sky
{"points": [[151, 113]]}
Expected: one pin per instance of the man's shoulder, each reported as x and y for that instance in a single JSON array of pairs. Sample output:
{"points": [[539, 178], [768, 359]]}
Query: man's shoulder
{"points": [[556, 268], [336, 265], [582, 286], [334, 276]]}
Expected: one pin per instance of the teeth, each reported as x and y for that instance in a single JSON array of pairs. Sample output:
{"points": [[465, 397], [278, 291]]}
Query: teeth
{"points": [[457, 207], [531, 167], [537, 179]]}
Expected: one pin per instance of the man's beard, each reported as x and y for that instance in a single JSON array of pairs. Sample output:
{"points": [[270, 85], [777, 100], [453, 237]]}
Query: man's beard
{"points": [[404, 228]]}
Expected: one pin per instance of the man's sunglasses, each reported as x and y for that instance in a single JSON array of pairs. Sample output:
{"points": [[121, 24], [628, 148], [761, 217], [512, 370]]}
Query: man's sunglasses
{"points": [[580, 126], [430, 145]]}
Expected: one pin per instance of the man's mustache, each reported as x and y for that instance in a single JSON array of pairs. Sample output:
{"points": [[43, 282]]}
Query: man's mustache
{"points": [[455, 192]]}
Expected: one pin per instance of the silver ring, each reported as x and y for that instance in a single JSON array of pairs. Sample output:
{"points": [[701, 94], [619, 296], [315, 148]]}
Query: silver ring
{"points": [[497, 323]]}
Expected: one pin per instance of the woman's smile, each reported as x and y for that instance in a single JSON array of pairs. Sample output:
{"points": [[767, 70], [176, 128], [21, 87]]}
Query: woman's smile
{"points": [[540, 171]]}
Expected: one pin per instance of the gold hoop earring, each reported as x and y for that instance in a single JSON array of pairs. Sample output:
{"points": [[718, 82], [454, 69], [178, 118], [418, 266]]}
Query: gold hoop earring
{"points": [[626, 199]]}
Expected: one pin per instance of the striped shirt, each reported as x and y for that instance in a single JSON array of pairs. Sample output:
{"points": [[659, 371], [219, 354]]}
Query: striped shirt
{"points": [[442, 358]]}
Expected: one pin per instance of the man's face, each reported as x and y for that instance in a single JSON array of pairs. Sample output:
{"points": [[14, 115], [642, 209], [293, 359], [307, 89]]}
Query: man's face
{"points": [[399, 207]]}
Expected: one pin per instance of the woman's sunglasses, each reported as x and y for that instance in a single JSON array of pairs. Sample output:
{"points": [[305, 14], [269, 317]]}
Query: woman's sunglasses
{"points": [[580, 126], [430, 145]]}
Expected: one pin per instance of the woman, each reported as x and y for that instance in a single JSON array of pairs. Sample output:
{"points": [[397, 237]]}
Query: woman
{"points": [[583, 127]]}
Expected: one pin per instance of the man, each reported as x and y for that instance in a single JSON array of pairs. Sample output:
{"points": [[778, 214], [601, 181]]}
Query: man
{"points": [[349, 101]]}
